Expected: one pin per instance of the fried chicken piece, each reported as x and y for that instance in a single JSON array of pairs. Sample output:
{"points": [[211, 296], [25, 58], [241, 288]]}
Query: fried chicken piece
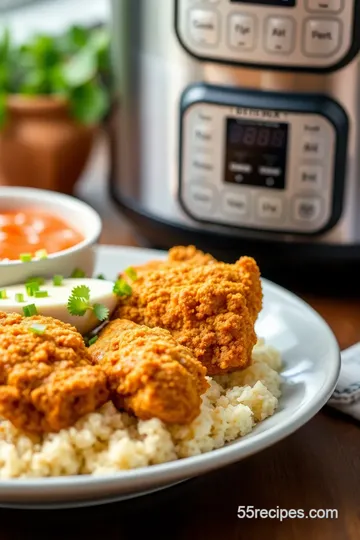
{"points": [[47, 382], [190, 255], [250, 280], [149, 373], [176, 256], [211, 309]]}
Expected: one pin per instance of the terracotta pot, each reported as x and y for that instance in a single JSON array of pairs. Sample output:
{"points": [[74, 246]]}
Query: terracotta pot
{"points": [[41, 145]]}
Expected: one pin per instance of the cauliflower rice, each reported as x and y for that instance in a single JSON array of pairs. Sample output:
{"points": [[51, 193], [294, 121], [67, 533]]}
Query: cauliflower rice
{"points": [[108, 440]]}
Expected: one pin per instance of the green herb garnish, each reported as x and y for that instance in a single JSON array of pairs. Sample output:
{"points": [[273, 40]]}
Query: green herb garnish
{"points": [[131, 273], [121, 288], [58, 280], [32, 288], [41, 254], [30, 310], [78, 273], [101, 312], [35, 279], [93, 340], [100, 276], [79, 303], [38, 329], [19, 297], [25, 257], [3, 295], [41, 294]]}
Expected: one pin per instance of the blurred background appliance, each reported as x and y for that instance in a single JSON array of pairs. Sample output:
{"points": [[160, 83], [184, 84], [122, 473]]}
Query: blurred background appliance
{"points": [[239, 127]]}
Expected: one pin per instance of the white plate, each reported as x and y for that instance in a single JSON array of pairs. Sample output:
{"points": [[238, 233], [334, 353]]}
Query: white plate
{"points": [[311, 368]]}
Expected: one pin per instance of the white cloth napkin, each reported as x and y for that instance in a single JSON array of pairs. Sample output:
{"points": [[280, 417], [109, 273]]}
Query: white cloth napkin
{"points": [[346, 397]]}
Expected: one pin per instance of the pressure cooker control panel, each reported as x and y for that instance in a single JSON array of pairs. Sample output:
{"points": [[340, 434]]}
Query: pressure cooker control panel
{"points": [[261, 160], [301, 34]]}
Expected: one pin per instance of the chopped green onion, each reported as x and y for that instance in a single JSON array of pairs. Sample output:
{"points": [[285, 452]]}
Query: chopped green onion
{"points": [[25, 257], [30, 310], [121, 288], [19, 297], [41, 254], [32, 288], [58, 280], [93, 340], [100, 276], [78, 273], [38, 329], [35, 279], [41, 294], [3, 295], [131, 273]]}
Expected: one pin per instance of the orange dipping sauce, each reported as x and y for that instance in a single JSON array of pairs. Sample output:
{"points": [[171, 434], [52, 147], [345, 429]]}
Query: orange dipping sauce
{"points": [[29, 230]]}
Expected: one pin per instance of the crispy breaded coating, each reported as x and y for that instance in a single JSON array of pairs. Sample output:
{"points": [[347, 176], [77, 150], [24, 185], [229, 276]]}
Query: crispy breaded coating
{"points": [[176, 256], [250, 280], [211, 309], [149, 373], [189, 254], [47, 382]]}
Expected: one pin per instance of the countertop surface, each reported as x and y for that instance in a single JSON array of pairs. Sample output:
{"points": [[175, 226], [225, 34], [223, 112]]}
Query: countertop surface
{"points": [[318, 467]]}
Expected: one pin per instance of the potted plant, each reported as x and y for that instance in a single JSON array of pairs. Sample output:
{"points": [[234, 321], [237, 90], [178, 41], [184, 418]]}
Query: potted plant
{"points": [[54, 93]]}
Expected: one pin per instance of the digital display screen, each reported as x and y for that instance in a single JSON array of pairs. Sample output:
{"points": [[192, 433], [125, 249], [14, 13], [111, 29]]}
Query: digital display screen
{"points": [[281, 3], [256, 153]]}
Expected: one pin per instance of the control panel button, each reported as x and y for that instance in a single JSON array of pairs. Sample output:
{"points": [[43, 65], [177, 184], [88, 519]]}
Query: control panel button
{"points": [[280, 33], [307, 209], [201, 197], [204, 26], [236, 204], [322, 37], [204, 115], [269, 207], [313, 128], [326, 6], [313, 147], [201, 162], [311, 177], [242, 32], [203, 134]]}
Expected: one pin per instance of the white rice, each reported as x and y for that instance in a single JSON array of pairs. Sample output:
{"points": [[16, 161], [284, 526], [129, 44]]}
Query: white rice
{"points": [[108, 441]]}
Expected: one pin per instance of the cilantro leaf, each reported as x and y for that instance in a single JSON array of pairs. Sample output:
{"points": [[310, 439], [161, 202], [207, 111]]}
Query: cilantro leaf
{"points": [[81, 291], [77, 306], [79, 301], [121, 288], [131, 273], [101, 312]]}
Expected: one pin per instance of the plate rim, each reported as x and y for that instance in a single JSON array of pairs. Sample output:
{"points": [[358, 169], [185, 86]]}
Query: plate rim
{"points": [[194, 465]]}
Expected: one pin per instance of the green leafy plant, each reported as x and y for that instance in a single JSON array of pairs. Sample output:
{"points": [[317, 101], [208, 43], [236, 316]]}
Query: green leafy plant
{"points": [[74, 65], [79, 303]]}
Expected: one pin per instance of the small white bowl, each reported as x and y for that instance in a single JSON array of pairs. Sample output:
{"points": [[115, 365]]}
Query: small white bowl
{"points": [[77, 214]]}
